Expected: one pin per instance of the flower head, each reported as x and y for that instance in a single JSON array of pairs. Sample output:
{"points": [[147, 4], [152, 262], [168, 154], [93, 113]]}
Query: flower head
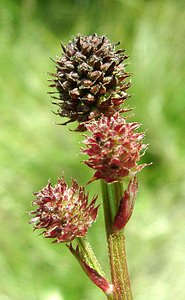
{"points": [[114, 148], [90, 79], [63, 211]]}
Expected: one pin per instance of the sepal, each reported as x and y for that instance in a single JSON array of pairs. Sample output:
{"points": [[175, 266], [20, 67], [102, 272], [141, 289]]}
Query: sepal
{"points": [[126, 205], [94, 276]]}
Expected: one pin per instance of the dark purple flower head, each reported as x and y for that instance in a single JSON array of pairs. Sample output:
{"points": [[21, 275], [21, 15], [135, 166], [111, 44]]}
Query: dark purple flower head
{"points": [[114, 148], [63, 211], [90, 79]]}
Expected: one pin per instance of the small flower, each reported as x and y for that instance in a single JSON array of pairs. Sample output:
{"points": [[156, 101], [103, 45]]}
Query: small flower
{"points": [[90, 79], [63, 211], [114, 148]]}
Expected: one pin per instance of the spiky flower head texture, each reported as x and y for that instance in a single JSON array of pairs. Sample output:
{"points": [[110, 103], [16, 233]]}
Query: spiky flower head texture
{"points": [[114, 148], [63, 211], [90, 79]]}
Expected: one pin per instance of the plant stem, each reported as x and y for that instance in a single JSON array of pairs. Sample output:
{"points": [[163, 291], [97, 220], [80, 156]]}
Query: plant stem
{"points": [[112, 194], [89, 255], [110, 297]]}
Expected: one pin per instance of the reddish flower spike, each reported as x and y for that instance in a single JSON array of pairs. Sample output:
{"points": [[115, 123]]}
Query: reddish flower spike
{"points": [[114, 148], [63, 211]]}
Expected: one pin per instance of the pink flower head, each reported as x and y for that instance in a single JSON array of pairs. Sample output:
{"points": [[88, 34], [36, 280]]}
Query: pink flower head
{"points": [[63, 211], [114, 148]]}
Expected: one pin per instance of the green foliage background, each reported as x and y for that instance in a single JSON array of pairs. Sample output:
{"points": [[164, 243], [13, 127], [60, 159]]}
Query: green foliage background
{"points": [[33, 148]]}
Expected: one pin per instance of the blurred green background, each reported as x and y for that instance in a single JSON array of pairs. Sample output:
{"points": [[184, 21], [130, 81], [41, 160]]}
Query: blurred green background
{"points": [[33, 148]]}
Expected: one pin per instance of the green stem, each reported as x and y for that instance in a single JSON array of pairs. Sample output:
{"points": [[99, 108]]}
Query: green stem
{"points": [[112, 194], [89, 255], [91, 258], [110, 297]]}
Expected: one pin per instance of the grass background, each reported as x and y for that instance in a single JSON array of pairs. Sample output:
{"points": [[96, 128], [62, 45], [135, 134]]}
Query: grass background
{"points": [[33, 148]]}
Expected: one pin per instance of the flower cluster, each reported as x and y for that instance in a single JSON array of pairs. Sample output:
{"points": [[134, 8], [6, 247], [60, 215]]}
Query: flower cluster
{"points": [[90, 79], [114, 148], [91, 85], [63, 211]]}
